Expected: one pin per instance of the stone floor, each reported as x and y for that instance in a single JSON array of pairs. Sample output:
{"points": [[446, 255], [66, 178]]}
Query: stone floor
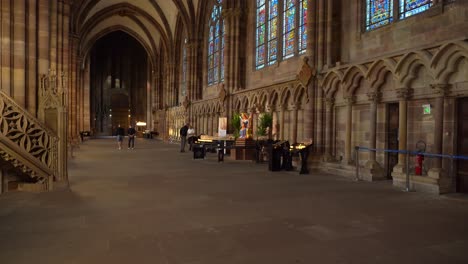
{"points": [[156, 205]]}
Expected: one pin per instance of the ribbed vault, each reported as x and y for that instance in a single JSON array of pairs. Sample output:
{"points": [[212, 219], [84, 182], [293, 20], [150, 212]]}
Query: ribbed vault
{"points": [[152, 22]]}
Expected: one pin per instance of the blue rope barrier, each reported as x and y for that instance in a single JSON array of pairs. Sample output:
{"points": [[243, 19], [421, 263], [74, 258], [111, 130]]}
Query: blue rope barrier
{"points": [[413, 153]]}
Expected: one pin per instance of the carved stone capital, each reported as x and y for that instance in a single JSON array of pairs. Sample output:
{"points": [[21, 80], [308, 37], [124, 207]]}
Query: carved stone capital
{"points": [[350, 99], [440, 89], [270, 108], [403, 93], [329, 102], [295, 106], [374, 96]]}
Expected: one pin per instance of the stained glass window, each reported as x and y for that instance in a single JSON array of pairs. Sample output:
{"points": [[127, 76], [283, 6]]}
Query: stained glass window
{"points": [[289, 28], [261, 34], [274, 27], [216, 46], [303, 26], [412, 7], [272, 32], [378, 13]]}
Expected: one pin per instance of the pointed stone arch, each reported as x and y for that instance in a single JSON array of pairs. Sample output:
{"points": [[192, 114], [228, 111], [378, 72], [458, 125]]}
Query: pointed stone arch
{"points": [[244, 103], [377, 72], [286, 96], [352, 78], [274, 97], [446, 60], [331, 83], [89, 45], [407, 67], [299, 92], [263, 99], [237, 104]]}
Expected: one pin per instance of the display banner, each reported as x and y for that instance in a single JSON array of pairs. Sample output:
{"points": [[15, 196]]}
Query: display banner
{"points": [[222, 127]]}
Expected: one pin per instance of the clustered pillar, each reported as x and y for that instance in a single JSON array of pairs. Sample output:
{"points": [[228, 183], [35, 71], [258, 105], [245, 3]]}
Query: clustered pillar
{"points": [[349, 127], [403, 95]]}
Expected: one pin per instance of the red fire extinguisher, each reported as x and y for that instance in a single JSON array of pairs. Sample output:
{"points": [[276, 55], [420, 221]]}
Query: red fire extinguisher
{"points": [[418, 167], [421, 147]]}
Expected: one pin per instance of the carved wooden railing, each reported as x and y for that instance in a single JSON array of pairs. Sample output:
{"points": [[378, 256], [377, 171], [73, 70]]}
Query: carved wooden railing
{"points": [[26, 143]]}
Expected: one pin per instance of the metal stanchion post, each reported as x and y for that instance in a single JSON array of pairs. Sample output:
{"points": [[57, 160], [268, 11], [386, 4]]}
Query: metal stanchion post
{"points": [[452, 174], [407, 172], [356, 149]]}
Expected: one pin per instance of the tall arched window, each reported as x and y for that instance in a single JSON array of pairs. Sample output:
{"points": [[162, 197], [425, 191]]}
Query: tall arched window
{"points": [[285, 18], [413, 7], [216, 46], [183, 77], [302, 26], [380, 12]]}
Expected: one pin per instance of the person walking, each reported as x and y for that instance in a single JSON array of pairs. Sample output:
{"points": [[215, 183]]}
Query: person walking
{"points": [[120, 133], [131, 136], [183, 137]]}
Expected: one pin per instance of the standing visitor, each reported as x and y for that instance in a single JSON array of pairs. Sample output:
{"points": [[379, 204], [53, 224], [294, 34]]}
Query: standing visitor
{"points": [[183, 137], [120, 133], [191, 137], [131, 136]]}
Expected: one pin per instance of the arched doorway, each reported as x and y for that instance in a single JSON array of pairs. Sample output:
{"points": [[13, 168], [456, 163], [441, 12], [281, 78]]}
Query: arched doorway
{"points": [[118, 80]]}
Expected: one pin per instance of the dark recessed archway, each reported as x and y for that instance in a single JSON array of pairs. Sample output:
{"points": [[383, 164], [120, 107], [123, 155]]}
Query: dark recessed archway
{"points": [[119, 65]]}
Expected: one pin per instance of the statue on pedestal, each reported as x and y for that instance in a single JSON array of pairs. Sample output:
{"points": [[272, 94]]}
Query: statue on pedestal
{"points": [[245, 121]]}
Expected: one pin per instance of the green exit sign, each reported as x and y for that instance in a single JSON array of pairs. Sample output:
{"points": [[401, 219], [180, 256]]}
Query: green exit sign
{"points": [[426, 109]]}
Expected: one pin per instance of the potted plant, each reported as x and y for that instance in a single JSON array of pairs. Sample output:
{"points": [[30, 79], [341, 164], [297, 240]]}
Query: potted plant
{"points": [[236, 124], [265, 121]]}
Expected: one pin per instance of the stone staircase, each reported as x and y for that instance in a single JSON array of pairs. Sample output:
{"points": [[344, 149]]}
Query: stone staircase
{"points": [[28, 150]]}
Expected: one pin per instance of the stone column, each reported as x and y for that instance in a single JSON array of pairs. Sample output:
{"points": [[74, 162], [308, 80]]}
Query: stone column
{"points": [[295, 108], [6, 52], [372, 168], [330, 22], [373, 98], [206, 117], [53, 35], [319, 141], [74, 82], [31, 57], [329, 102], [281, 123], [403, 95], [86, 100], [43, 37], [233, 49], [321, 34], [171, 95], [441, 91], [310, 109], [271, 109], [251, 130], [209, 119], [19, 53], [349, 127]]}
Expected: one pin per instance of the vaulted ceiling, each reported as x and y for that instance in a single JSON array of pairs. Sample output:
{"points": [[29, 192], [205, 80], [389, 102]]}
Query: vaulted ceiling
{"points": [[152, 22]]}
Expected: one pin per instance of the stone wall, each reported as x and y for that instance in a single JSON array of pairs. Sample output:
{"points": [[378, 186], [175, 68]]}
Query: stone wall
{"points": [[438, 24]]}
